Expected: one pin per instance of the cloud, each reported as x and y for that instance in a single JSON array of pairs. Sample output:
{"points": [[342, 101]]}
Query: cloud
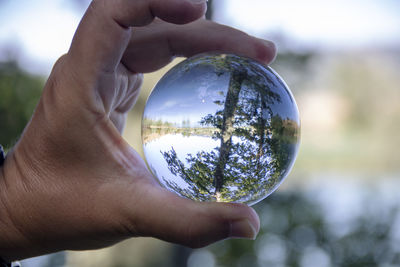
{"points": [[202, 92], [168, 104]]}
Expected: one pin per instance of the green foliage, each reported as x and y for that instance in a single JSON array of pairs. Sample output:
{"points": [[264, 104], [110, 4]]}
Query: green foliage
{"points": [[294, 225], [19, 94]]}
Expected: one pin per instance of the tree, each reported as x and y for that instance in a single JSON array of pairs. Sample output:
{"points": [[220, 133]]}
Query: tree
{"points": [[19, 94], [210, 10]]}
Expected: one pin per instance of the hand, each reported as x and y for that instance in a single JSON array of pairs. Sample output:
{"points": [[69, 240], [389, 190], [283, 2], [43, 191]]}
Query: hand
{"points": [[72, 182]]}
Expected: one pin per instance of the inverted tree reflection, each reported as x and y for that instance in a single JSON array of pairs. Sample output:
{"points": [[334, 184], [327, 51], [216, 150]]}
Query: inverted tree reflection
{"points": [[255, 142]]}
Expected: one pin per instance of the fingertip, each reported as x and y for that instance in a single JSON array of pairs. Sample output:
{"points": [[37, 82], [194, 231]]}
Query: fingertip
{"points": [[225, 221], [245, 222], [265, 51], [178, 11], [254, 219], [200, 8], [242, 229]]}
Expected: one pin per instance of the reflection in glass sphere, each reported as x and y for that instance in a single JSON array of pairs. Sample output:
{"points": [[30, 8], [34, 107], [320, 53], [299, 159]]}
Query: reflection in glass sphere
{"points": [[219, 127]]}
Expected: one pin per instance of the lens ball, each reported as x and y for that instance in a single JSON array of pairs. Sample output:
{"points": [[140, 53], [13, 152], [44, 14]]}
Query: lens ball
{"points": [[221, 127]]}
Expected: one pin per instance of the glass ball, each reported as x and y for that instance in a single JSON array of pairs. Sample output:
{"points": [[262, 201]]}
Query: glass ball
{"points": [[220, 127]]}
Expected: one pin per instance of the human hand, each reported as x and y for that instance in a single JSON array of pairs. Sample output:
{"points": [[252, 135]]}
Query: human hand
{"points": [[72, 182]]}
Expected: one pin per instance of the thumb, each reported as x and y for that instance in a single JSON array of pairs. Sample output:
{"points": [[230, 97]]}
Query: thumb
{"points": [[169, 217]]}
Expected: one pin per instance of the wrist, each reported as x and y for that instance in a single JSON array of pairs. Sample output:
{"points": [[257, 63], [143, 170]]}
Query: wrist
{"points": [[12, 242]]}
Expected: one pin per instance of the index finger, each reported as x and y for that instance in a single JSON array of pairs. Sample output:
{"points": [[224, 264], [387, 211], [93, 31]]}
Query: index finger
{"points": [[155, 45], [103, 34]]}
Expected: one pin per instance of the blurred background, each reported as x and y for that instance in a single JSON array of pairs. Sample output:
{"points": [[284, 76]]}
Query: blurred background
{"points": [[340, 206]]}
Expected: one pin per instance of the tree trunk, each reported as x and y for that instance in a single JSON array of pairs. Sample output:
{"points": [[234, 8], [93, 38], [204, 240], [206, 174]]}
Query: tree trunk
{"points": [[261, 132], [210, 9], [227, 129]]}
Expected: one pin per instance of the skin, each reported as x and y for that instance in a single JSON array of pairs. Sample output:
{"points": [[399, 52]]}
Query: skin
{"points": [[72, 182]]}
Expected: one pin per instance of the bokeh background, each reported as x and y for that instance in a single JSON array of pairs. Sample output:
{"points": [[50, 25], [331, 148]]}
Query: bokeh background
{"points": [[340, 206]]}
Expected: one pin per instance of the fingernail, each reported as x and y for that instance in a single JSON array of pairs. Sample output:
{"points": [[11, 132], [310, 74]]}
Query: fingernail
{"points": [[198, 1], [243, 229], [269, 43]]}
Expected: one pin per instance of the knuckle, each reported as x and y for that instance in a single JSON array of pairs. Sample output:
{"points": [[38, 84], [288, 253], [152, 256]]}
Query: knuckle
{"points": [[55, 76], [96, 5], [136, 81]]}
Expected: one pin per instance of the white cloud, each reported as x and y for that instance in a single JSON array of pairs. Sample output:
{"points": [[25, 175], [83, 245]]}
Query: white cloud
{"points": [[331, 23], [42, 29], [168, 104]]}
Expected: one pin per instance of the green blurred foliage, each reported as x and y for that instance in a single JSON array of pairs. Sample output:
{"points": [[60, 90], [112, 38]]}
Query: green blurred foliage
{"points": [[296, 231], [19, 94], [295, 228], [299, 228]]}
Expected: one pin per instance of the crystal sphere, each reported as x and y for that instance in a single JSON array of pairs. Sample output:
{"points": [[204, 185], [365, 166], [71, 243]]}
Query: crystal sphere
{"points": [[220, 127]]}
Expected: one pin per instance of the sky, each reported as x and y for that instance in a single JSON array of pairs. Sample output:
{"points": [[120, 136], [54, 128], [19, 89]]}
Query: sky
{"points": [[343, 23], [190, 90], [41, 30], [186, 95]]}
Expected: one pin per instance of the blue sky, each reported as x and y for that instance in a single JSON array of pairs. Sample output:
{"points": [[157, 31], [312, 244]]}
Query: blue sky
{"points": [[41, 30], [186, 96], [190, 94]]}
